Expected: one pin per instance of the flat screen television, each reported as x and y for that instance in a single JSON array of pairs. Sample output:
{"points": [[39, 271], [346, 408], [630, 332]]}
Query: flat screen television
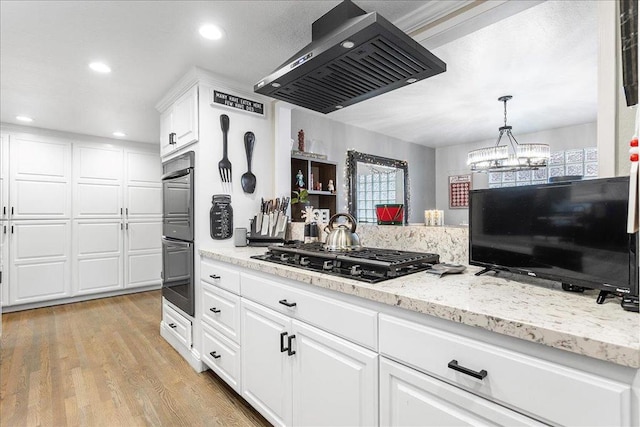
{"points": [[573, 232]]}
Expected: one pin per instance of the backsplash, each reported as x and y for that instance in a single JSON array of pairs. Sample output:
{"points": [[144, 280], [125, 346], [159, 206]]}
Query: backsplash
{"points": [[451, 243]]}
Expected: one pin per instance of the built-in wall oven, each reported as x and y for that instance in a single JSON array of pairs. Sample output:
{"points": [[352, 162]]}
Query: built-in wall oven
{"points": [[178, 232]]}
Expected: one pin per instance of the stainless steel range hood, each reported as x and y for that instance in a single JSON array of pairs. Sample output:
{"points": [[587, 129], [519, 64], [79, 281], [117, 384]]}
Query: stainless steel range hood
{"points": [[353, 56]]}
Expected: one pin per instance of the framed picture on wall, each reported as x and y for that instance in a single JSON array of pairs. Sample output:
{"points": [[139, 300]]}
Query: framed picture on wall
{"points": [[459, 186]]}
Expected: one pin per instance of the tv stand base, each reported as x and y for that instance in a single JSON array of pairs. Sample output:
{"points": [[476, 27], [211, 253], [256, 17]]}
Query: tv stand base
{"points": [[630, 303], [484, 270], [572, 288]]}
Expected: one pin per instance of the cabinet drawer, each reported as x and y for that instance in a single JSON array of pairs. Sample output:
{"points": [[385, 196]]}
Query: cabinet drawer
{"points": [[221, 310], [177, 324], [411, 398], [349, 321], [222, 356], [549, 391], [223, 277]]}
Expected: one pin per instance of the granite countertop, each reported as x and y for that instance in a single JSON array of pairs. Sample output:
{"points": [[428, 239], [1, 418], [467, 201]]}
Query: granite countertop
{"points": [[540, 313]]}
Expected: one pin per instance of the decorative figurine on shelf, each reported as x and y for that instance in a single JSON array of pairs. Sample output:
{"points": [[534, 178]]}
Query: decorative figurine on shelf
{"points": [[300, 179], [331, 187], [300, 140]]}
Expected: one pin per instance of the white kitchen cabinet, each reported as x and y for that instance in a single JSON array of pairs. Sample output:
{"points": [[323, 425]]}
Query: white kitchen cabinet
{"points": [[39, 259], [410, 398], [289, 366], [4, 262], [179, 123], [143, 189], [98, 256], [4, 176], [97, 181], [221, 310], [340, 374], [143, 252], [266, 369], [119, 190], [40, 178], [548, 391], [222, 355]]}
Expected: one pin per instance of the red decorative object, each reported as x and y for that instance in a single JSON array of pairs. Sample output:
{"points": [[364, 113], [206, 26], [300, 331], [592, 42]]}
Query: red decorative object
{"points": [[390, 214], [459, 186]]}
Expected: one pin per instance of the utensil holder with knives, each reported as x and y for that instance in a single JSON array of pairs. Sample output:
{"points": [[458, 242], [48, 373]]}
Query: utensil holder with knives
{"points": [[273, 235]]}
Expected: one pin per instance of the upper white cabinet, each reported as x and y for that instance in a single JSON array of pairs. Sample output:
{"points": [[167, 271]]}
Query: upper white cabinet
{"points": [[97, 181], [143, 189], [40, 178], [179, 123]]}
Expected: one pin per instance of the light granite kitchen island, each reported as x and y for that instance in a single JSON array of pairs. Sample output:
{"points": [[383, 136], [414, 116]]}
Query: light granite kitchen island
{"points": [[506, 304]]}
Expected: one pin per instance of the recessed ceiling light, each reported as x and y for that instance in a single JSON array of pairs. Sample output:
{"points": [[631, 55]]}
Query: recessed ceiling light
{"points": [[211, 32], [119, 134], [25, 119], [100, 67]]}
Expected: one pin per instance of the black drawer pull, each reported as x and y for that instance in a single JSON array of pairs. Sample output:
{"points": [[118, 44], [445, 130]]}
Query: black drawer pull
{"points": [[214, 310], [214, 276], [288, 304], [290, 350], [173, 325], [282, 347], [214, 355], [479, 375]]}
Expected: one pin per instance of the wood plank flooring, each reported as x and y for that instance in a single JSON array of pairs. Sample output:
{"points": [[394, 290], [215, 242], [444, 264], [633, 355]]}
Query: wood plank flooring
{"points": [[104, 363]]}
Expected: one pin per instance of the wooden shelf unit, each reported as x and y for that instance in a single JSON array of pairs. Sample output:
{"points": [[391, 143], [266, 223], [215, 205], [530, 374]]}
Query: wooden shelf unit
{"points": [[323, 171]]}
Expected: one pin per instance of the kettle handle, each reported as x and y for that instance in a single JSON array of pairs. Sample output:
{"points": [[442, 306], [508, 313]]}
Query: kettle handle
{"points": [[349, 217]]}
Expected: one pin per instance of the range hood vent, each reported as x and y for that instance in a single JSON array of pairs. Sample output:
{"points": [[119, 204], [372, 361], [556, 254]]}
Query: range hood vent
{"points": [[354, 56]]}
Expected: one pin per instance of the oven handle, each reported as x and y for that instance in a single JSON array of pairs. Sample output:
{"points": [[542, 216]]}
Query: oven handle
{"points": [[176, 242], [176, 174]]}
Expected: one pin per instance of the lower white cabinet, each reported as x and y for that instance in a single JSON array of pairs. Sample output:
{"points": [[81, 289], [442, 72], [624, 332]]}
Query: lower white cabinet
{"points": [[296, 374], [221, 355], [39, 260], [112, 254], [177, 326], [411, 398]]}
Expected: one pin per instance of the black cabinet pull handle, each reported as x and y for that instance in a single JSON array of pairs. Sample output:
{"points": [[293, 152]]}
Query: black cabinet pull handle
{"points": [[288, 304], [11, 210], [282, 347], [173, 325], [214, 310], [290, 350], [214, 355], [4, 210], [172, 138], [214, 276], [479, 375], [12, 229]]}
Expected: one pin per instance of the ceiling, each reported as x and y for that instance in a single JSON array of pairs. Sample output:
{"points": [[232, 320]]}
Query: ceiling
{"points": [[545, 56]]}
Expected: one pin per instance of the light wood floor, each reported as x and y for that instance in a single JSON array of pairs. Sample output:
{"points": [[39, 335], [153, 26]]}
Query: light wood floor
{"points": [[103, 362]]}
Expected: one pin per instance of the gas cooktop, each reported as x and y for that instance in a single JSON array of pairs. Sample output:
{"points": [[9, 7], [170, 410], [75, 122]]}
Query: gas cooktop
{"points": [[371, 265]]}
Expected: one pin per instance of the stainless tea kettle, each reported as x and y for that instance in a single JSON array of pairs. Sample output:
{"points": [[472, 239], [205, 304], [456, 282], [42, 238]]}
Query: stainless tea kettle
{"points": [[342, 238]]}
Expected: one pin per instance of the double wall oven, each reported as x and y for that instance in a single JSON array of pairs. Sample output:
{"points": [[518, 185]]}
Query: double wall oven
{"points": [[178, 232]]}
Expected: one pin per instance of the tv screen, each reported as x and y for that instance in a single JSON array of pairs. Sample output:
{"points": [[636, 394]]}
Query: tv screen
{"points": [[572, 232]]}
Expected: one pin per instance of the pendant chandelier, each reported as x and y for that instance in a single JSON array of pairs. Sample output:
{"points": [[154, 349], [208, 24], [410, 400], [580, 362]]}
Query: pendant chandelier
{"points": [[499, 159]]}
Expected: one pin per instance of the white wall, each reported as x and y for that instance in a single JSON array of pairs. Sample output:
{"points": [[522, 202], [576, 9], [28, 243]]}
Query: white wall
{"points": [[338, 137], [453, 161], [209, 153]]}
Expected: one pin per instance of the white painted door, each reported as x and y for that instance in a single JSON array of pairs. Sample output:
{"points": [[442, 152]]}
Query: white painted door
{"points": [[166, 128], [98, 259], [143, 189], [4, 262], [334, 381], [40, 173], [4, 177], [266, 371], [143, 252], [39, 259], [97, 181], [410, 398], [185, 118]]}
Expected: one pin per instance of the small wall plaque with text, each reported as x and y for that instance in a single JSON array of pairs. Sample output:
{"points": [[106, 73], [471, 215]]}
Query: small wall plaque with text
{"points": [[233, 101]]}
